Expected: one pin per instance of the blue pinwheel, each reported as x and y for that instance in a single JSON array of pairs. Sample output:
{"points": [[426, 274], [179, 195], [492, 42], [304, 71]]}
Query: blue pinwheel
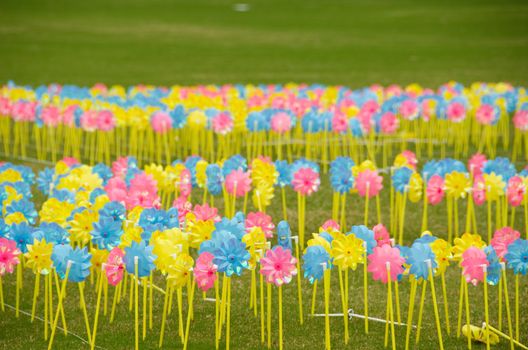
{"points": [[144, 255], [401, 178], [313, 262], [366, 235], [24, 207], [231, 257], [214, 179], [107, 233], [517, 256], [494, 267], [52, 233], [233, 226], [284, 235], [114, 210], [22, 234], [419, 255], [80, 262]]}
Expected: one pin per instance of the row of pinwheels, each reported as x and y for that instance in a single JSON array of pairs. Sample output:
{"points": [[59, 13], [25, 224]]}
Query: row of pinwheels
{"points": [[157, 123]]}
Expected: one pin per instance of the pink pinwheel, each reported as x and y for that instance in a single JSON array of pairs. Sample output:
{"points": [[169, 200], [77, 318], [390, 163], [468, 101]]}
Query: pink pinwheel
{"points": [[476, 163], [117, 190], [502, 238], [184, 207], [222, 123], [412, 161], [205, 212], [306, 181], [50, 116], [409, 109], [238, 183], [485, 114], [120, 166], [389, 123], [479, 190], [89, 120], [369, 183], [281, 122], [5, 106], [339, 122], [8, 255], [161, 122], [472, 261], [261, 220], [381, 235], [70, 161], [114, 266], [520, 120], [68, 115], [205, 271], [143, 192], [278, 266], [435, 190], [185, 183], [456, 112], [105, 120], [330, 225], [377, 263], [516, 191]]}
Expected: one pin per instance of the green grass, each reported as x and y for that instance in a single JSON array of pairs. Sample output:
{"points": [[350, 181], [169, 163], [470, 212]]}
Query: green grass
{"points": [[332, 42]]}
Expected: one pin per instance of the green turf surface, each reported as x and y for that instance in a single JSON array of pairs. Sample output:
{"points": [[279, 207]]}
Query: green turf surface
{"points": [[333, 42]]}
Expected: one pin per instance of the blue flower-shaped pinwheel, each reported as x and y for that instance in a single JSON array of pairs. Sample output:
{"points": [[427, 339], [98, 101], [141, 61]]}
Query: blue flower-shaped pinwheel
{"points": [[190, 164], [431, 168], [401, 178], [366, 235], [494, 267], [24, 207], [327, 237], [231, 257], [114, 210], [63, 195], [144, 256], [217, 237], [418, 256], [311, 122], [178, 116], [285, 173], [257, 121], [45, 179], [173, 220], [313, 260], [233, 226], [304, 163], [214, 179], [355, 127], [96, 193], [104, 172], [426, 239], [449, 165], [284, 235], [500, 166], [80, 262], [236, 162], [4, 229], [341, 176], [22, 234], [517, 256], [107, 232], [52, 233]]}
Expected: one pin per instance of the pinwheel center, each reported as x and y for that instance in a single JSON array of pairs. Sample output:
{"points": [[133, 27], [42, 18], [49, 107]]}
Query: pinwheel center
{"points": [[231, 258]]}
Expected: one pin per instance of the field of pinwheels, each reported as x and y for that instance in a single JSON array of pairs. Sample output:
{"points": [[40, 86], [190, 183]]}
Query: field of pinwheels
{"points": [[261, 175]]}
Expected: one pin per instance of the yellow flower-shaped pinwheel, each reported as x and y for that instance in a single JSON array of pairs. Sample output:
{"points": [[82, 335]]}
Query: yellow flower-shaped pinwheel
{"points": [[165, 251], [263, 172], [197, 120], [348, 251], [464, 242], [442, 251], [415, 187], [15, 218], [99, 257], [131, 233], [255, 241], [12, 195], [199, 230], [321, 241], [81, 226], [457, 185], [201, 176], [494, 185], [401, 161], [158, 174], [10, 175], [365, 165], [55, 211], [262, 196], [179, 271], [38, 256]]}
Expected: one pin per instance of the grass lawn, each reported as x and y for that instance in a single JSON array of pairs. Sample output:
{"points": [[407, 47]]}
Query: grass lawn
{"points": [[331, 42]]}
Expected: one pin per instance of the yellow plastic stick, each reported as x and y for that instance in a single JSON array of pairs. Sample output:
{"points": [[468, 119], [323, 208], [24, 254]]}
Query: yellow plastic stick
{"points": [[114, 302], [446, 306], [35, 295], [410, 312], [164, 314], [299, 283], [262, 323], [391, 309], [435, 305], [268, 300], [460, 304], [468, 321], [180, 313], [280, 317], [1, 295], [228, 325], [517, 328], [397, 296], [365, 288], [189, 313], [18, 287], [85, 312], [367, 204], [47, 312], [345, 311], [144, 280], [136, 304], [513, 341], [507, 299], [486, 308], [61, 296], [327, 306], [420, 312], [98, 305], [314, 295]]}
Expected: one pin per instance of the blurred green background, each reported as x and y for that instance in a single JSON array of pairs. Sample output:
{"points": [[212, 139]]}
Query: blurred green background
{"points": [[353, 43]]}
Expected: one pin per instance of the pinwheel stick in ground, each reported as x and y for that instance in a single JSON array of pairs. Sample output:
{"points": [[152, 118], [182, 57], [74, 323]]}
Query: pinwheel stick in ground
{"points": [[59, 304]]}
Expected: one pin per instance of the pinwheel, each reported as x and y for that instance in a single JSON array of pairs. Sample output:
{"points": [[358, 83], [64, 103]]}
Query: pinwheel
{"points": [[237, 184], [278, 266], [342, 181], [401, 178], [9, 253], [516, 193], [517, 258], [284, 179], [369, 184], [305, 181]]}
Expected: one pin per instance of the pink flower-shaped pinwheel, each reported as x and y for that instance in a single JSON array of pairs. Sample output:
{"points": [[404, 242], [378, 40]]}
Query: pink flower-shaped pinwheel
{"points": [[120, 166], [185, 183], [50, 116], [278, 266], [222, 123], [205, 212], [183, 205], [472, 261], [89, 120], [261, 220], [369, 183], [105, 120], [389, 123], [381, 235], [502, 238], [456, 112], [485, 114], [520, 120], [377, 263], [205, 271], [114, 266], [476, 163], [409, 109], [331, 225], [238, 183], [281, 122], [161, 122], [8, 255], [516, 191], [479, 190], [306, 181], [70, 161], [339, 123], [412, 161], [435, 189], [143, 192], [117, 190]]}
